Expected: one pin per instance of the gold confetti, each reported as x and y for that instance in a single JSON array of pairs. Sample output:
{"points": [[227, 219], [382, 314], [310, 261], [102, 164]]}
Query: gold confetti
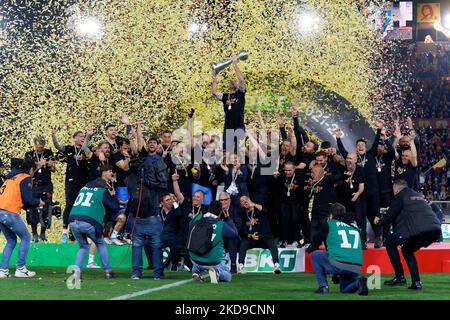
{"points": [[145, 62]]}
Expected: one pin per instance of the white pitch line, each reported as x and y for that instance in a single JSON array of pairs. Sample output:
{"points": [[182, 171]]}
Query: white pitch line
{"points": [[167, 286]]}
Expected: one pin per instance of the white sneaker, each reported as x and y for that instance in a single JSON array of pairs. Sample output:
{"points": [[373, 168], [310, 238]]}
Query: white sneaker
{"points": [[127, 241], [117, 242], [294, 244], [93, 265], [277, 269], [241, 268], [4, 273], [107, 240], [213, 275], [24, 273]]}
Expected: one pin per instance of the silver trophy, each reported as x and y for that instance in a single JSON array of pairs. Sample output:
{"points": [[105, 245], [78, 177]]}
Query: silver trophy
{"points": [[219, 66]]}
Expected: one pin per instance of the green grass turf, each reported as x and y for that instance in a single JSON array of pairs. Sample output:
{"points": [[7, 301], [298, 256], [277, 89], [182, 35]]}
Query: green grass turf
{"points": [[49, 285]]}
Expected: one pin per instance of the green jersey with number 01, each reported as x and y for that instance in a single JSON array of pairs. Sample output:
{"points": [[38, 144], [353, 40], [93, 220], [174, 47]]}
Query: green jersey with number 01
{"points": [[90, 203], [344, 242]]}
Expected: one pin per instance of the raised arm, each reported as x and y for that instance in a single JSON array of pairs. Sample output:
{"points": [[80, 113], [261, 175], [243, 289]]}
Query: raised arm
{"points": [[176, 188], [239, 74], [390, 149], [340, 145], [55, 141], [293, 139], [217, 94], [85, 148], [139, 136], [413, 153], [379, 127], [189, 138], [300, 133], [126, 121], [133, 143], [280, 121]]}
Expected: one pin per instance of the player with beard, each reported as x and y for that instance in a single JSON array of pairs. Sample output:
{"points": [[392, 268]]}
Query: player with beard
{"points": [[233, 102], [290, 182], [350, 192], [366, 159], [97, 158], [77, 174], [111, 138]]}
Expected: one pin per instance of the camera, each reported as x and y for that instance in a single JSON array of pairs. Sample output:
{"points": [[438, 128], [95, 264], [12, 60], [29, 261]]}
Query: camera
{"points": [[56, 209]]}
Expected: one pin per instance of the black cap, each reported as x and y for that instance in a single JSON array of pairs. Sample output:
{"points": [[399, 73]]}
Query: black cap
{"points": [[381, 142]]}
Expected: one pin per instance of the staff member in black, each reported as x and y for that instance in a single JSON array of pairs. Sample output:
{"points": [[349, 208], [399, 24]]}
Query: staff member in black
{"points": [[406, 161], [77, 174], [321, 189], [256, 233], [290, 183], [366, 159], [42, 187], [415, 226], [384, 156], [350, 190]]}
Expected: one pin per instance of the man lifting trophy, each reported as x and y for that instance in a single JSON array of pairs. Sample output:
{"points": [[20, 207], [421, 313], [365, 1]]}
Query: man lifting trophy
{"points": [[233, 101]]}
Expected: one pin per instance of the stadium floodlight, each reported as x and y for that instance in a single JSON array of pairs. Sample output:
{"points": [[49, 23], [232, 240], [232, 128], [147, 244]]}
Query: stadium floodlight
{"points": [[307, 22], [194, 27], [197, 28], [89, 27], [447, 21]]}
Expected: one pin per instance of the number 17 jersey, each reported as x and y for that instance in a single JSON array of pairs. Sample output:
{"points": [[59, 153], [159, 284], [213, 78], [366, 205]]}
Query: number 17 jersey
{"points": [[344, 242]]}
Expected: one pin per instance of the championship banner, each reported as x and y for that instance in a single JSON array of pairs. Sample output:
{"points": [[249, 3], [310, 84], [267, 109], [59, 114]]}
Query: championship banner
{"points": [[325, 110], [428, 12], [259, 260]]}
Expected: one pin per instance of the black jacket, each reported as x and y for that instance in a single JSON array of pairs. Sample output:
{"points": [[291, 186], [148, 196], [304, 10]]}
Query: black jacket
{"points": [[410, 215]]}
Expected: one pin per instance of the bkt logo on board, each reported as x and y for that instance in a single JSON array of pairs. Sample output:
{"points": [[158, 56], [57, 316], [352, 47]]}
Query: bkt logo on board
{"points": [[291, 260]]}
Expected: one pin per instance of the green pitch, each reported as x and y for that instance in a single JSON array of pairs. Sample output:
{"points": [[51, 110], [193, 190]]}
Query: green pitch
{"points": [[49, 284]]}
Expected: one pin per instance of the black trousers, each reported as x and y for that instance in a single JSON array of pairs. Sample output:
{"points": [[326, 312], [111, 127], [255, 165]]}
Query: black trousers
{"points": [[305, 222], [385, 201], [41, 215], [72, 189], [290, 222], [317, 222], [265, 243], [168, 240], [370, 208], [410, 246], [232, 247]]}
